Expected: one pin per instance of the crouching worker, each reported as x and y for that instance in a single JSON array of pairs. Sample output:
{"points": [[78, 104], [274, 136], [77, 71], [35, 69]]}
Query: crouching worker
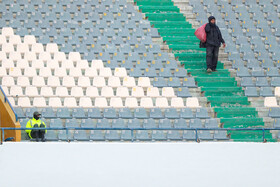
{"points": [[36, 123]]}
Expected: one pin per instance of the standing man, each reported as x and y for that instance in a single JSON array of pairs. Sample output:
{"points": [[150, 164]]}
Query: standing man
{"points": [[36, 123], [213, 42]]}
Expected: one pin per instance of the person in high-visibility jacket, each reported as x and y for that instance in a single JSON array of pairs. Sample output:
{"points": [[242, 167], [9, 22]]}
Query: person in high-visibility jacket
{"points": [[36, 123]]}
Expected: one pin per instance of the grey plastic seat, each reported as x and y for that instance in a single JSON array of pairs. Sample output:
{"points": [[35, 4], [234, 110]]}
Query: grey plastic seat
{"points": [[135, 72], [266, 92], [267, 64], [174, 135], [211, 123], [275, 81], [186, 113], [80, 135], [112, 135], [118, 123], [156, 113], [165, 123], [71, 123], [180, 123], [159, 82], [253, 64], [63, 113], [51, 135], [201, 113], [195, 123], [189, 82], [64, 136], [156, 64], [78, 113], [276, 123], [262, 82], [251, 92], [149, 123], [258, 72], [110, 113], [87, 123], [19, 112], [180, 72], [126, 135], [125, 113], [103, 123], [97, 135], [220, 135], [247, 82], [141, 113], [94, 113], [29, 112], [143, 135], [171, 113], [274, 112], [183, 92], [174, 82], [189, 135], [243, 72], [150, 72], [134, 123], [272, 72], [158, 135], [165, 72], [205, 135]]}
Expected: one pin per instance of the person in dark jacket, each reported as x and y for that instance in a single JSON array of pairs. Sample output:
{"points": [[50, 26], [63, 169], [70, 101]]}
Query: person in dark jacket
{"points": [[213, 42]]}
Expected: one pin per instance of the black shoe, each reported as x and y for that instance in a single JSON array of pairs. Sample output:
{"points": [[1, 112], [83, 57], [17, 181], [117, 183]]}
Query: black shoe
{"points": [[43, 139]]}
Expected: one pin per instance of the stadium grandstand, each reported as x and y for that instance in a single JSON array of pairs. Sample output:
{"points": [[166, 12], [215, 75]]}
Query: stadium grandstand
{"points": [[124, 71]]}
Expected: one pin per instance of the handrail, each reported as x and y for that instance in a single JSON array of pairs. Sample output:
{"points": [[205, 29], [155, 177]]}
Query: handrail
{"points": [[133, 129], [7, 100]]}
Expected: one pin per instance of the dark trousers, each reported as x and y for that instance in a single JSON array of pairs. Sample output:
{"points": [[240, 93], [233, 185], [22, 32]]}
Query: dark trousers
{"points": [[212, 53], [38, 134]]}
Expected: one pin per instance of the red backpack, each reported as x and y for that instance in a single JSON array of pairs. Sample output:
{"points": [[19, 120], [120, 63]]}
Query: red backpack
{"points": [[201, 34]]}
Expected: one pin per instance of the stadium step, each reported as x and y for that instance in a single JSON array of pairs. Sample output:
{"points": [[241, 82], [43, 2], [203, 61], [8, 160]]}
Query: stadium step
{"points": [[221, 90]]}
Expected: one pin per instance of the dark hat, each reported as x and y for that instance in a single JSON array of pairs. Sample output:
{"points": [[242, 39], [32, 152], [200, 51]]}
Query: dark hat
{"points": [[210, 18], [36, 114]]}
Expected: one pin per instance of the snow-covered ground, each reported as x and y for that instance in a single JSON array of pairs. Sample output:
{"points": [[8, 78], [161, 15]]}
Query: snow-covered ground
{"points": [[139, 164]]}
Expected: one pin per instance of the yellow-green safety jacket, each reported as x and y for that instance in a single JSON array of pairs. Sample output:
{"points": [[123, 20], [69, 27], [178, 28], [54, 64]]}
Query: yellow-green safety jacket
{"points": [[31, 123]]}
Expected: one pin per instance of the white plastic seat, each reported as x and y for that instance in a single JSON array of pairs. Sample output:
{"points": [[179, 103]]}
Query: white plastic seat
{"points": [[67, 64], [3, 72], [129, 82], [270, 102], [8, 48], [107, 92], [15, 72], [52, 64], [30, 72], [70, 102], [277, 91], [15, 56], [68, 81], [74, 56], [105, 72], [92, 92], [61, 91], [60, 72], [131, 102], [45, 56], [120, 72], [22, 64], [98, 64], [30, 56], [12, 101], [6, 90], [100, 102], [192, 102], [122, 92], [52, 48], [3, 39], [168, 92], [8, 81], [177, 102], [7, 63], [22, 81], [53, 81], [46, 91], [24, 102], [85, 102], [55, 102], [116, 102], [7, 31], [59, 56], [22, 48], [75, 72], [31, 91], [144, 82], [77, 92], [16, 91], [83, 81], [45, 72], [99, 82], [37, 64], [38, 81], [153, 92], [137, 92], [82, 64], [146, 102], [39, 102], [3, 55], [14, 39], [162, 102], [29, 39], [114, 82], [37, 48], [91, 72]]}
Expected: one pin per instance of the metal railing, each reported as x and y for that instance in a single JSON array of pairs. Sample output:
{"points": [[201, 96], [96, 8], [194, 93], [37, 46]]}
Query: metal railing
{"points": [[67, 129]]}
